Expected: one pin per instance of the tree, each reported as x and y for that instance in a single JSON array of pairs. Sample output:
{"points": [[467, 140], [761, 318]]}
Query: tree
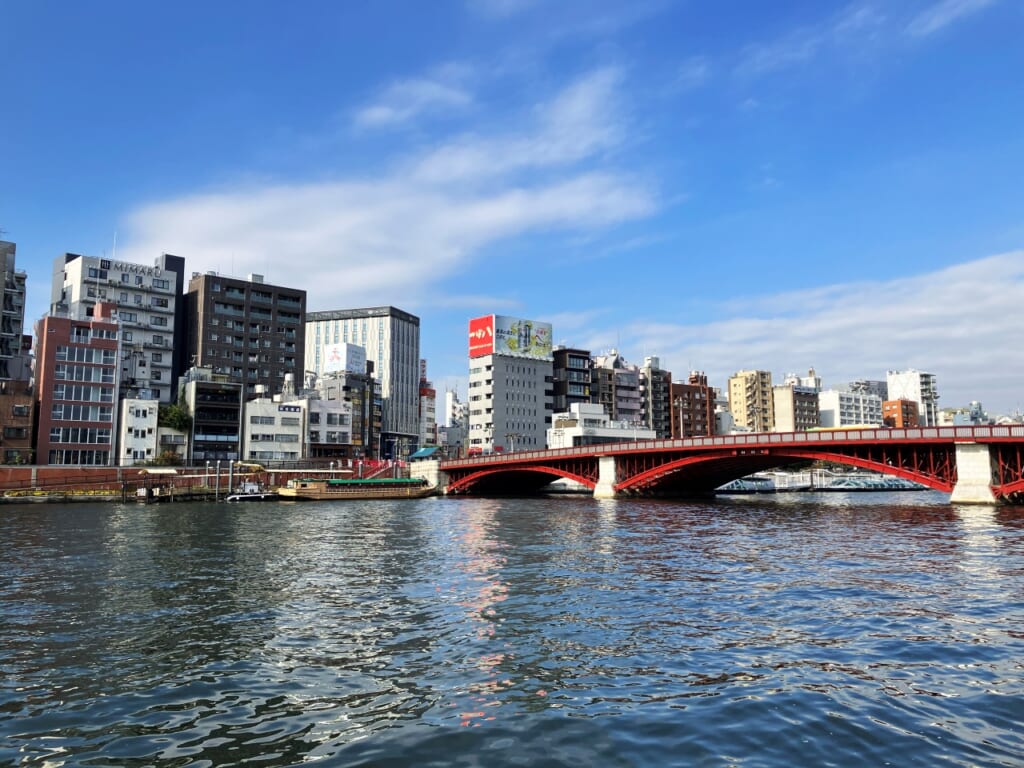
{"points": [[175, 416]]}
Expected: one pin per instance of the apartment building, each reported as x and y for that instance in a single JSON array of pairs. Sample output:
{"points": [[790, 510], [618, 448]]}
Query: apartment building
{"points": [[147, 309], [246, 329], [215, 404], [655, 400], [571, 377], [77, 377], [900, 413], [616, 386], [14, 344], [693, 407], [795, 408], [750, 400]]}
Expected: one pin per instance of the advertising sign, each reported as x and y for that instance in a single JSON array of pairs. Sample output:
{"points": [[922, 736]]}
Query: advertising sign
{"points": [[349, 358], [481, 336], [512, 336]]}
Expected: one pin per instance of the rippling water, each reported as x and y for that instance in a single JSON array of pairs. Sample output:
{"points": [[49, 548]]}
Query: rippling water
{"points": [[760, 631]]}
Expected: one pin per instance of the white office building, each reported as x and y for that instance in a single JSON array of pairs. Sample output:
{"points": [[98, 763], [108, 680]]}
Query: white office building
{"points": [[510, 373]]}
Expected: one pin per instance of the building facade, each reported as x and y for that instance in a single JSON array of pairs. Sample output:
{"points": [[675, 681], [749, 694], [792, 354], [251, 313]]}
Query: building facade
{"points": [[838, 408], [391, 339], [361, 393], [693, 407], [137, 434], [77, 377], [147, 301], [919, 387], [588, 424], [750, 400], [655, 397], [616, 386], [900, 414], [14, 359], [510, 378], [246, 329], [571, 377], [17, 411], [215, 404], [428, 409], [795, 408]]}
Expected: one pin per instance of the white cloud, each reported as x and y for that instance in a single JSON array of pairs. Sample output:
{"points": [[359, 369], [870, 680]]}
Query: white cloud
{"points": [[406, 100], [960, 323], [582, 120], [942, 14], [396, 238]]}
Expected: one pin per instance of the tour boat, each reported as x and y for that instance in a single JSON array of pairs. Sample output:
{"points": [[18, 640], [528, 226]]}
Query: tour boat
{"points": [[372, 488]]}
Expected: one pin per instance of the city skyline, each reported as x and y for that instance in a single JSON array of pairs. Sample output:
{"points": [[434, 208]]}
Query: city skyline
{"points": [[732, 188]]}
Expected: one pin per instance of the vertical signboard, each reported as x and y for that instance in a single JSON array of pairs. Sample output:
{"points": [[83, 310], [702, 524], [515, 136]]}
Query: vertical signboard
{"points": [[481, 336]]}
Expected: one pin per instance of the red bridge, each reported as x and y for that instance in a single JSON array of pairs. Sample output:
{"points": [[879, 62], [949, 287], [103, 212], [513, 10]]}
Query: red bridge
{"points": [[972, 464]]}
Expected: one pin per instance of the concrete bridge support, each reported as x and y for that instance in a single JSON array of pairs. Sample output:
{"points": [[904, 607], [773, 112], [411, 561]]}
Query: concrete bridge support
{"points": [[973, 475], [606, 475], [431, 472]]}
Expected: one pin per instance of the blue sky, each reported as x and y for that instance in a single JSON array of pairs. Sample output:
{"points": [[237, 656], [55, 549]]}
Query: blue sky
{"points": [[726, 185]]}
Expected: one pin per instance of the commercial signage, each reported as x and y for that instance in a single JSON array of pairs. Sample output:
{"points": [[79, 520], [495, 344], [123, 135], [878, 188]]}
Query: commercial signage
{"points": [[347, 358], [481, 336], [511, 336]]}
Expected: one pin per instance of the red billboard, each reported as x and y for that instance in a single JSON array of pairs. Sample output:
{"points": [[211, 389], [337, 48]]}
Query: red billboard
{"points": [[481, 336]]}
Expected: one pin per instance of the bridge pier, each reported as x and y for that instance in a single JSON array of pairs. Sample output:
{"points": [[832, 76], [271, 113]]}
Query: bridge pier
{"points": [[431, 472], [973, 475], [606, 475]]}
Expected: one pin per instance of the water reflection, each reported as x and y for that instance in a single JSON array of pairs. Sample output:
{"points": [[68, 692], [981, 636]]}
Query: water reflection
{"points": [[489, 632]]}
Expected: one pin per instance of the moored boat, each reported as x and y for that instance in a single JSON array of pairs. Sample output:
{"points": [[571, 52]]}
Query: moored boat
{"points": [[319, 489]]}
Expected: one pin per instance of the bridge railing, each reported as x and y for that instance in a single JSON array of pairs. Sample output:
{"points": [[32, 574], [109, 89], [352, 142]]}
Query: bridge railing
{"points": [[756, 439]]}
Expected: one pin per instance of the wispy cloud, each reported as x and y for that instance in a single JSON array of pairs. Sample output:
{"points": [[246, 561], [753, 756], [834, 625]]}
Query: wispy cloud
{"points": [[942, 14], [582, 120], [500, 8], [852, 25], [397, 237], [406, 100], [952, 322]]}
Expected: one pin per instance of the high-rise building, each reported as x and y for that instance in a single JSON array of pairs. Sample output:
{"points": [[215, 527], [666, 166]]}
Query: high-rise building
{"points": [[750, 400], [510, 372], [391, 339], [693, 407], [246, 329], [571, 378], [919, 387], [14, 359], [147, 309], [655, 390], [77, 377]]}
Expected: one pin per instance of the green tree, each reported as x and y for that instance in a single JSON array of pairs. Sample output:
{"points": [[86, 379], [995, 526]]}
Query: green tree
{"points": [[175, 416]]}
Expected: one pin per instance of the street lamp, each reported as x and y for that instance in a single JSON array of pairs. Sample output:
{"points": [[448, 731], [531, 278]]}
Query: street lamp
{"points": [[207, 474]]}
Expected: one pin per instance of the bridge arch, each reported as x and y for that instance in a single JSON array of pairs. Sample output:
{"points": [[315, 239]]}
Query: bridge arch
{"points": [[516, 479], [705, 472]]}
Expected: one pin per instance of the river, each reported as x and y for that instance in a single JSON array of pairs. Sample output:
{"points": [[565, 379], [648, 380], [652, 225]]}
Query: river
{"points": [[814, 629]]}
